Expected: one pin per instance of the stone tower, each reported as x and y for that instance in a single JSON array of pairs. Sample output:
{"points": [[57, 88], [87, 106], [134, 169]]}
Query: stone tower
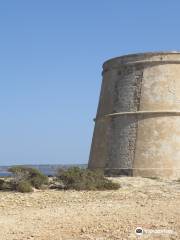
{"points": [[137, 126]]}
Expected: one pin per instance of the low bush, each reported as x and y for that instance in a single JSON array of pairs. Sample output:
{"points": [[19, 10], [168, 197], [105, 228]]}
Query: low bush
{"points": [[32, 175], [2, 184], [24, 187], [39, 181], [85, 179], [6, 185]]}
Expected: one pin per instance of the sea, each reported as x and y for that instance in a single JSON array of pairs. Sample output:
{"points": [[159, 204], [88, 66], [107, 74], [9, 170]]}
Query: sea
{"points": [[47, 169]]}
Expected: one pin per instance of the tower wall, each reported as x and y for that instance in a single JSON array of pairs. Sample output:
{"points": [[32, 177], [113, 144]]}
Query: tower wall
{"points": [[143, 138]]}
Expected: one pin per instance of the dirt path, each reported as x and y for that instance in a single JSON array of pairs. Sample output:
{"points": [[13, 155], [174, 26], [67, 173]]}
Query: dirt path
{"points": [[153, 205]]}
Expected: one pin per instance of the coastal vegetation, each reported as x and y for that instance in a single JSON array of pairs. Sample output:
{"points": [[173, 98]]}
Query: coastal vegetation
{"points": [[23, 179], [26, 179], [24, 186], [5, 185], [85, 179]]}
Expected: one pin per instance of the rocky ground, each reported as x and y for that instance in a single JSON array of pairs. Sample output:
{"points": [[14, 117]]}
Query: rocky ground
{"points": [[151, 204]]}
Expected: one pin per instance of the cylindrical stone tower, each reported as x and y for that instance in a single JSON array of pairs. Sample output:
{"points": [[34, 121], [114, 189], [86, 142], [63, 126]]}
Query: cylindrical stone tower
{"points": [[137, 127]]}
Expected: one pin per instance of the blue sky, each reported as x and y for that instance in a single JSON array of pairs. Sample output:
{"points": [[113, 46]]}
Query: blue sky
{"points": [[51, 54]]}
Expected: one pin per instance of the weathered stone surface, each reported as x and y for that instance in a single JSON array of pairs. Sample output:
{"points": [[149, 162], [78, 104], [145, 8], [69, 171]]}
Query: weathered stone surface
{"points": [[140, 144]]}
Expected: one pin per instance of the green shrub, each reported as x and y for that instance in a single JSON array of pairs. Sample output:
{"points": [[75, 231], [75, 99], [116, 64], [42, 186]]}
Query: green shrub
{"points": [[24, 187], [39, 181], [2, 184], [85, 179], [32, 175], [6, 185]]}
